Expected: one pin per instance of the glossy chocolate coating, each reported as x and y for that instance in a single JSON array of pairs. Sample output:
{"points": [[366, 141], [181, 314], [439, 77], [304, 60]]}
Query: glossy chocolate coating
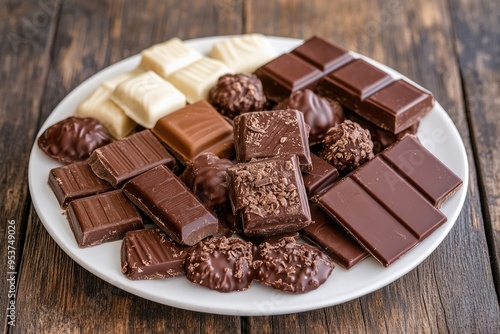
{"points": [[73, 139], [235, 94], [322, 176], [170, 204], [150, 254], [222, 264], [292, 267]]}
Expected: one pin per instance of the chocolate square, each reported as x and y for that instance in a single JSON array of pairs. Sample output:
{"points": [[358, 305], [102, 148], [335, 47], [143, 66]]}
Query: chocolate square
{"points": [[322, 176]]}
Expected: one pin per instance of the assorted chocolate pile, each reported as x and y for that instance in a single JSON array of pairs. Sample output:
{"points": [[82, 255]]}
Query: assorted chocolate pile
{"points": [[231, 155]]}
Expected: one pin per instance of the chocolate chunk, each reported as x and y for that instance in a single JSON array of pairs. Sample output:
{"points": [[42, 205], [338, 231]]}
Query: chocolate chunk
{"points": [[195, 129], [222, 264], [266, 134], [168, 202], [73, 139], [322, 176], [292, 267], [319, 113], [323, 54], [347, 146], [286, 74], [235, 94], [333, 239], [150, 254], [74, 181], [102, 218], [122, 160], [422, 170], [205, 176], [270, 195]]}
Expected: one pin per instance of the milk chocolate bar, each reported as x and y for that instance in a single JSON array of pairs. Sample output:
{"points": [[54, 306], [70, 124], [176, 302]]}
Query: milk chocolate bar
{"points": [[168, 202], [122, 160], [151, 254], [74, 181], [102, 218], [322, 176]]}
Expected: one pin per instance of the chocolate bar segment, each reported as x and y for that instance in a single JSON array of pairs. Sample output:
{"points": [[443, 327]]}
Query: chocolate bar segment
{"points": [[168, 202], [151, 254], [333, 239], [74, 181], [322, 176], [422, 170], [122, 160], [102, 218]]}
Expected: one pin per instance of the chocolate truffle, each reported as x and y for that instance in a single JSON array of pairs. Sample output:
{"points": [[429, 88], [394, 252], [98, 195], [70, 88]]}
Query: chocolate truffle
{"points": [[73, 139], [235, 94], [206, 177], [319, 113], [347, 146]]}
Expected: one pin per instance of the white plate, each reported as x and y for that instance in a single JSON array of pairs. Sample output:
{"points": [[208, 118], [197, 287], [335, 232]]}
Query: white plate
{"points": [[437, 132]]}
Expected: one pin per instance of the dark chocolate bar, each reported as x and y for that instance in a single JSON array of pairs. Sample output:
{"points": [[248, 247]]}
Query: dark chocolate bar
{"points": [[101, 218], [151, 254], [123, 159], [322, 176], [168, 202], [74, 181]]}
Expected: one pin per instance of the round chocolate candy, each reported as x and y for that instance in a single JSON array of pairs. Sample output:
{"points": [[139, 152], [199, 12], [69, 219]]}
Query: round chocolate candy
{"points": [[235, 94], [222, 264], [319, 113], [347, 146], [73, 139]]}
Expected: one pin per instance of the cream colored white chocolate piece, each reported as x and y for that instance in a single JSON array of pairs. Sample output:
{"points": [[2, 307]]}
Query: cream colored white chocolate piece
{"points": [[147, 97], [196, 80], [168, 57], [112, 83], [244, 54], [100, 106]]}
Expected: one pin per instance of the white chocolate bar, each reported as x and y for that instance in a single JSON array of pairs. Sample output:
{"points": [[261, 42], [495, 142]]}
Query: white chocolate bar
{"points": [[196, 80], [147, 97], [112, 83], [99, 106], [244, 54], [168, 57]]}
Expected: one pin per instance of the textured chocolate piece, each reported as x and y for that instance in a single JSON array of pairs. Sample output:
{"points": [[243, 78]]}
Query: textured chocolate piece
{"points": [[195, 129], [322, 54], [319, 113], [286, 74], [397, 106], [122, 160], [235, 94], [322, 176], [168, 202], [270, 195], [292, 267], [381, 210], [222, 264], [347, 146], [422, 170], [150, 254], [266, 134], [74, 181], [101, 218], [353, 83], [73, 139], [333, 239]]}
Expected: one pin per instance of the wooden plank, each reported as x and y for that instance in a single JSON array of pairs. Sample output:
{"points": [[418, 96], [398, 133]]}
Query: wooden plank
{"points": [[26, 35], [55, 294], [475, 25], [416, 39]]}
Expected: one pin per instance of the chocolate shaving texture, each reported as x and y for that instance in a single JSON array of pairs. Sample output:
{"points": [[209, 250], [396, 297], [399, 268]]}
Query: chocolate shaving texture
{"points": [[319, 113], [73, 139], [347, 146], [235, 94]]}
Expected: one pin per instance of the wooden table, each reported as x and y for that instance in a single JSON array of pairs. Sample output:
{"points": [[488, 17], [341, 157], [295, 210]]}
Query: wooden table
{"points": [[450, 47]]}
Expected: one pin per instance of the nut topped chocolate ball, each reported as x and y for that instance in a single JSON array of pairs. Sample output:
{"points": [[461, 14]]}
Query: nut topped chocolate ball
{"points": [[235, 94], [347, 146], [73, 139], [320, 113]]}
